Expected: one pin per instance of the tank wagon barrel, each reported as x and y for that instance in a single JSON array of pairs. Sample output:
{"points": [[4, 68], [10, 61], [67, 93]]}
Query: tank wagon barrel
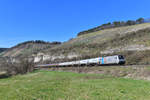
{"points": [[109, 60]]}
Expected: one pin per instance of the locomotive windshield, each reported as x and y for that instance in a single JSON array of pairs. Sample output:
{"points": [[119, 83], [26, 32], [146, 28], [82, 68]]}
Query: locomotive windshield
{"points": [[121, 57]]}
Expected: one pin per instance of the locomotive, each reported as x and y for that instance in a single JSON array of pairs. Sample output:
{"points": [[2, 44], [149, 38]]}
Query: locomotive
{"points": [[109, 60]]}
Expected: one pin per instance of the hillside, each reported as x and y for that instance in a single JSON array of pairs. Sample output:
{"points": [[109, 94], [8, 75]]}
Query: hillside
{"points": [[114, 24], [131, 41], [28, 48], [3, 49]]}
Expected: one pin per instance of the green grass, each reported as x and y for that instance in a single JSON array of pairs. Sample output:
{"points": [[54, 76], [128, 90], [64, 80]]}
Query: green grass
{"points": [[46, 85]]}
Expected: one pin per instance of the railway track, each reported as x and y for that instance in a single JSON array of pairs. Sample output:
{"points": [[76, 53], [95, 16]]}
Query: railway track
{"points": [[95, 66]]}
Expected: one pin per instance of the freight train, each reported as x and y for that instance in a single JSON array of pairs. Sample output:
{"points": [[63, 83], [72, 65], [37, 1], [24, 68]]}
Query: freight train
{"points": [[109, 60]]}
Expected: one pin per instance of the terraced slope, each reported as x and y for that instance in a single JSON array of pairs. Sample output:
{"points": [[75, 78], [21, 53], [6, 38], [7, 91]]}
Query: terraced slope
{"points": [[131, 41]]}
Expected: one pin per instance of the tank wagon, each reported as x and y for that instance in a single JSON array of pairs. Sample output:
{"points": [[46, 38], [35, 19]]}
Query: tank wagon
{"points": [[109, 60]]}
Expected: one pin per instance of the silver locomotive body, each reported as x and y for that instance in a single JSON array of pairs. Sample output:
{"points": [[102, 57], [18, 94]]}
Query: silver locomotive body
{"points": [[109, 60]]}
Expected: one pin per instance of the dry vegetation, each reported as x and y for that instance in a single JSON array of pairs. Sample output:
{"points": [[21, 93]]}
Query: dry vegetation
{"points": [[120, 40], [113, 25], [131, 41], [9, 68], [28, 48]]}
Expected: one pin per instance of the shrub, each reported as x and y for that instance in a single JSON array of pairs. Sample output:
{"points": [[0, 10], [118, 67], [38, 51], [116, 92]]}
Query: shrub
{"points": [[13, 68]]}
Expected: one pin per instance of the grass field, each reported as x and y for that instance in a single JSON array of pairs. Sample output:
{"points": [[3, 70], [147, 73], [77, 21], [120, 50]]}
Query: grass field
{"points": [[48, 85]]}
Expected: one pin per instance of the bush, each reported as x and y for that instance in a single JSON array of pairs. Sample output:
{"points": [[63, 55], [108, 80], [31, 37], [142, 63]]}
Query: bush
{"points": [[12, 68]]}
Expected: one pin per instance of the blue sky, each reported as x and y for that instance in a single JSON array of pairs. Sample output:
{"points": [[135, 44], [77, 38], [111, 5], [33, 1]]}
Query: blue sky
{"points": [[60, 20]]}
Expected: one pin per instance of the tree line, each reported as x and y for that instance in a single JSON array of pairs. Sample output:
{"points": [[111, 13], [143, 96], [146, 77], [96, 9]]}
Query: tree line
{"points": [[39, 42], [113, 25]]}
